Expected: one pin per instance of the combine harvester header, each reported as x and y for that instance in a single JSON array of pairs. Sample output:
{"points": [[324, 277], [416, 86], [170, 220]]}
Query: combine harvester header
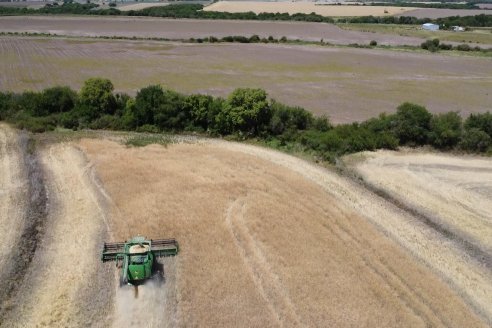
{"points": [[137, 257]]}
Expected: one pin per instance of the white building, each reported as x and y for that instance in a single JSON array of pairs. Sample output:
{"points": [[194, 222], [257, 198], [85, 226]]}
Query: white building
{"points": [[430, 27]]}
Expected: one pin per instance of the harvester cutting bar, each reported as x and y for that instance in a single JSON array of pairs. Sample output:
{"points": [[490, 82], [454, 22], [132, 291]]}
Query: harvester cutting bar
{"points": [[164, 247], [111, 251]]}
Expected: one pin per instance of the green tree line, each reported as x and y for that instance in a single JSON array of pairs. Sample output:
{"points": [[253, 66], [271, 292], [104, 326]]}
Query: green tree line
{"points": [[245, 113], [481, 20], [195, 11]]}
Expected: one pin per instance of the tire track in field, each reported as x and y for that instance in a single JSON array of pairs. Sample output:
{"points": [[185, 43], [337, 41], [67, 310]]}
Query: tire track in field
{"points": [[365, 252], [66, 285], [267, 282], [469, 277], [22, 214]]}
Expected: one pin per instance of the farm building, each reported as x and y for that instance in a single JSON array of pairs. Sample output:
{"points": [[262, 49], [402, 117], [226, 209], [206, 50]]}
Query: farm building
{"points": [[430, 27]]}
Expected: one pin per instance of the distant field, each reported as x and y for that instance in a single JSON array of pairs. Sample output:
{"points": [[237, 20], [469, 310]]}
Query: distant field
{"points": [[140, 6], [345, 83], [192, 28], [304, 7], [482, 36], [439, 13]]}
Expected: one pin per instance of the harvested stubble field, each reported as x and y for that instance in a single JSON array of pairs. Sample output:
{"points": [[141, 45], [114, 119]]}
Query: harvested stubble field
{"points": [[305, 7], [344, 83], [266, 240], [440, 13], [429, 181], [192, 28]]}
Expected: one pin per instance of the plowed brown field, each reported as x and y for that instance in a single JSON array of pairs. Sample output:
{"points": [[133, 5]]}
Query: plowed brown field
{"points": [[266, 240], [345, 84]]}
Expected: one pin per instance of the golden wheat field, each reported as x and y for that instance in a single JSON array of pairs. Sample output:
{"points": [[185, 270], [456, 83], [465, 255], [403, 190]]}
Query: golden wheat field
{"points": [[266, 239], [305, 7]]}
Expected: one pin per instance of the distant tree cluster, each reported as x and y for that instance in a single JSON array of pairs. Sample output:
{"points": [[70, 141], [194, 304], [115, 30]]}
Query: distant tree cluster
{"points": [[481, 20], [245, 113], [435, 45]]}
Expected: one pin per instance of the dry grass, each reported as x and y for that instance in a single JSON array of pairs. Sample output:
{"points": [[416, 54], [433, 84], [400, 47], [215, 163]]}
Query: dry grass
{"points": [[265, 245], [345, 84], [305, 8]]}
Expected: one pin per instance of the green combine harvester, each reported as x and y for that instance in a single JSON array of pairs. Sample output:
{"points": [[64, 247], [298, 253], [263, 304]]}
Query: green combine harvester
{"points": [[138, 257]]}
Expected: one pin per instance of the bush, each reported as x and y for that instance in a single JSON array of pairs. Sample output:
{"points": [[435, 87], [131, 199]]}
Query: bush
{"points": [[56, 100], [445, 130], [431, 45], [463, 47], [411, 124], [482, 122], [373, 43], [475, 140], [445, 46], [289, 118]]}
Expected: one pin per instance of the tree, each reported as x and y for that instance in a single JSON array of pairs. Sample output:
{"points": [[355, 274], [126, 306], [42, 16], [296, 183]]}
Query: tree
{"points": [[146, 102], [203, 109], [247, 110], [445, 130], [56, 100], [171, 114], [96, 98], [412, 124]]}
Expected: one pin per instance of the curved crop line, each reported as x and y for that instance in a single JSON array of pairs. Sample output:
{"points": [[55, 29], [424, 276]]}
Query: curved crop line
{"points": [[267, 282]]}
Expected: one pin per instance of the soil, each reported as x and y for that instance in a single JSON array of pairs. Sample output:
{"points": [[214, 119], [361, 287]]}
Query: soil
{"points": [[345, 84]]}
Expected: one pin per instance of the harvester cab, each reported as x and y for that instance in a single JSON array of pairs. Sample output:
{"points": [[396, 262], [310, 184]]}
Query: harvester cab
{"points": [[137, 257]]}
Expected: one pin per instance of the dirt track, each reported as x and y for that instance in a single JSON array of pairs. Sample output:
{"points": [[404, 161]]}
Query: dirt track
{"points": [[267, 240], [66, 284], [13, 204]]}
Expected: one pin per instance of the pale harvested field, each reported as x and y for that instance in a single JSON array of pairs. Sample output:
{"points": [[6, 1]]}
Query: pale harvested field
{"points": [[140, 6], [266, 241], [346, 84], [305, 8], [455, 192], [191, 28], [439, 13]]}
